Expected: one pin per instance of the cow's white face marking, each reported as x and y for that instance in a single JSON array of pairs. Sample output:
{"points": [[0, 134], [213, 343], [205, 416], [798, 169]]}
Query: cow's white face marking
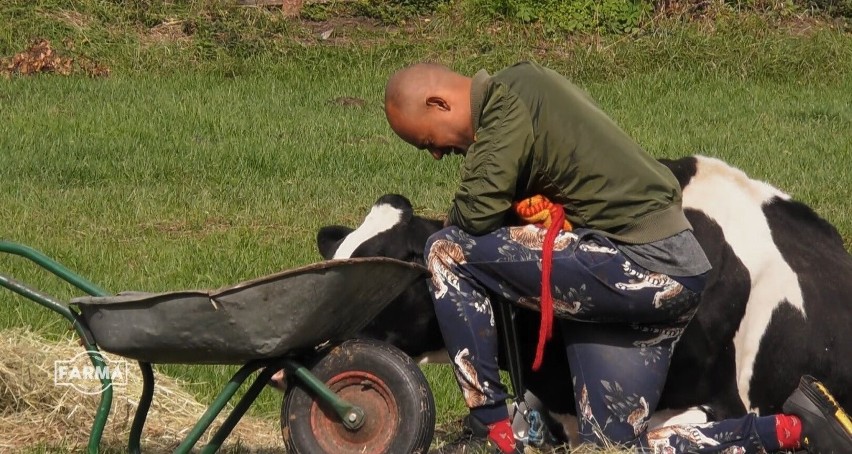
{"points": [[735, 202], [380, 219]]}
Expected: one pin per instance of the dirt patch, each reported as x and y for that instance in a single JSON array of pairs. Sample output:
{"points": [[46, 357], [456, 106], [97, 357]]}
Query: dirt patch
{"points": [[73, 18], [348, 101], [346, 31], [805, 26], [166, 32]]}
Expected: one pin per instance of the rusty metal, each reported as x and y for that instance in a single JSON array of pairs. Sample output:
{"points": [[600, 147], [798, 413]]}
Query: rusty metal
{"points": [[379, 427]]}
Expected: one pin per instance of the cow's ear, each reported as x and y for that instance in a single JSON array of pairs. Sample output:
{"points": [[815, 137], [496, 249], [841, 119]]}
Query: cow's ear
{"points": [[329, 238]]}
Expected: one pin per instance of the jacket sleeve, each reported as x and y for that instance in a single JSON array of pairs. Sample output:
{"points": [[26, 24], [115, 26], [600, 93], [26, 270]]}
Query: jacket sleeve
{"points": [[491, 167]]}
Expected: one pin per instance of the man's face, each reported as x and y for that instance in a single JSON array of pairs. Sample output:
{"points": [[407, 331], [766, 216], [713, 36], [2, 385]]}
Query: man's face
{"points": [[440, 132]]}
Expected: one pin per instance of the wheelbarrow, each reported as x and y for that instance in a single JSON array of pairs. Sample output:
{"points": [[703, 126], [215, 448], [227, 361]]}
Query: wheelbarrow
{"points": [[344, 394]]}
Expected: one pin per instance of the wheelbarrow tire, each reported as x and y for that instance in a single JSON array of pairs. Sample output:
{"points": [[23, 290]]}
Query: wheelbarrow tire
{"points": [[384, 382]]}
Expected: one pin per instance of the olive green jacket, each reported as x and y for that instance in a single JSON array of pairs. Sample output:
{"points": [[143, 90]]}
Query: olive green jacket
{"points": [[537, 133]]}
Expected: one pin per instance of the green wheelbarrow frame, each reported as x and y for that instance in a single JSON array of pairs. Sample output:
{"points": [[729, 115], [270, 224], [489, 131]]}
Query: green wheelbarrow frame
{"points": [[350, 415]]}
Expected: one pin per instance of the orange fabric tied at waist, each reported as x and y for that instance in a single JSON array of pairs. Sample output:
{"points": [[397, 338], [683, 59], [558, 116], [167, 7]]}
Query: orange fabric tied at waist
{"points": [[539, 210]]}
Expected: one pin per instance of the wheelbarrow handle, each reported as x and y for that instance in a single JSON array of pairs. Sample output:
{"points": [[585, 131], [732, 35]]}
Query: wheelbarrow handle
{"points": [[79, 325], [42, 299], [53, 266]]}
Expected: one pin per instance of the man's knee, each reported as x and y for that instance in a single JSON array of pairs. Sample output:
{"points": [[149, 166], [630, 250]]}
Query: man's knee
{"points": [[441, 243], [443, 254], [447, 233]]}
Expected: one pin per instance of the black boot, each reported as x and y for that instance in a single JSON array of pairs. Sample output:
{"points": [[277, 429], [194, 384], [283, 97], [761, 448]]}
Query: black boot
{"points": [[826, 428]]}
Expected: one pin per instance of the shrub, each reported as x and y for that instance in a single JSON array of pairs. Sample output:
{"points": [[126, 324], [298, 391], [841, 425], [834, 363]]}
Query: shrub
{"points": [[835, 8], [392, 12], [624, 16], [605, 16]]}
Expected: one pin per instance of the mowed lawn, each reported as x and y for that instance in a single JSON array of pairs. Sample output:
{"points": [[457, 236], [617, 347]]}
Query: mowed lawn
{"points": [[194, 179]]}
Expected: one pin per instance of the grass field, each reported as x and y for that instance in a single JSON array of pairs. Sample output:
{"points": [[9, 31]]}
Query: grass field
{"points": [[186, 170]]}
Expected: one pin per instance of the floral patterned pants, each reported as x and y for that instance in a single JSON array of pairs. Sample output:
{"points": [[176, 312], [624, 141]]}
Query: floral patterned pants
{"points": [[620, 323]]}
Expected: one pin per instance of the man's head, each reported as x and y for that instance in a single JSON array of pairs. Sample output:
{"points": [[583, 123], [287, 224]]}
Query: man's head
{"points": [[428, 106]]}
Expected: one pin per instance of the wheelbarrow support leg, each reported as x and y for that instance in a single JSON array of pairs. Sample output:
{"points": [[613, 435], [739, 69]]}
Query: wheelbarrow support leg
{"points": [[133, 445], [240, 409], [216, 407]]}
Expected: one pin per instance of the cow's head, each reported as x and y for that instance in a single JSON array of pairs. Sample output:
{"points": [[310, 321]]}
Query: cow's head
{"points": [[392, 230]]}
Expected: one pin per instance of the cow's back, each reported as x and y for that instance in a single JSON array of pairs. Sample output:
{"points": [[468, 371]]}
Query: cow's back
{"points": [[777, 304]]}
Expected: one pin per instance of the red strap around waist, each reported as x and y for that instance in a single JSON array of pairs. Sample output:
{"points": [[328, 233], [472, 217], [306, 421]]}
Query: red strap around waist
{"points": [[538, 209]]}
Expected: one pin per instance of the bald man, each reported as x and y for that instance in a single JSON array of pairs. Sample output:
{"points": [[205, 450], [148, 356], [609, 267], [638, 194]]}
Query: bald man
{"points": [[428, 106], [625, 281]]}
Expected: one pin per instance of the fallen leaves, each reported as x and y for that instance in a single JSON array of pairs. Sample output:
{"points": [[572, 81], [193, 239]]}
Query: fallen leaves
{"points": [[41, 58]]}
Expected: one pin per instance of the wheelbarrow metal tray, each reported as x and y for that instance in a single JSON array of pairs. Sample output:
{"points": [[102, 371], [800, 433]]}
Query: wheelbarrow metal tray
{"points": [[258, 319]]}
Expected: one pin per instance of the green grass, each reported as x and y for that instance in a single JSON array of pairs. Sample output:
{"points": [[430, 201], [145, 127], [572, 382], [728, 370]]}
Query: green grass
{"points": [[186, 182], [206, 160]]}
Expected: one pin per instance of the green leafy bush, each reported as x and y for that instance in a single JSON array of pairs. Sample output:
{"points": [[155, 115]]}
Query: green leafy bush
{"points": [[605, 16], [392, 12], [625, 16], [836, 8]]}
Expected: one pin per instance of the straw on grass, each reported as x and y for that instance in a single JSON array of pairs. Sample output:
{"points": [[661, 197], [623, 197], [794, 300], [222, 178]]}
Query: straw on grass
{"points": [[36, 414]]}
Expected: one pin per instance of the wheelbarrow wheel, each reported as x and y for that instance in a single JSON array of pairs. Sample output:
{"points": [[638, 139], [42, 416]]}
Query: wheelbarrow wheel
{"points": [[386, 384]]}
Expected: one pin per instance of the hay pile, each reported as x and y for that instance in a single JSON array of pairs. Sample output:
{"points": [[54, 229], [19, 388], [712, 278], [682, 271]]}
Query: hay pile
{"points": [[35, 412]]}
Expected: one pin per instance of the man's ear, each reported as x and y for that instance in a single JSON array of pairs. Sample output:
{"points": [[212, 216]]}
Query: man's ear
{"points": [[437, 101]]}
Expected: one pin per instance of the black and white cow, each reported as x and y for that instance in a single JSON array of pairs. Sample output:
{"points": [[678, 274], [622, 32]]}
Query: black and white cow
{"points": [[392, 230], [778, 302]]}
